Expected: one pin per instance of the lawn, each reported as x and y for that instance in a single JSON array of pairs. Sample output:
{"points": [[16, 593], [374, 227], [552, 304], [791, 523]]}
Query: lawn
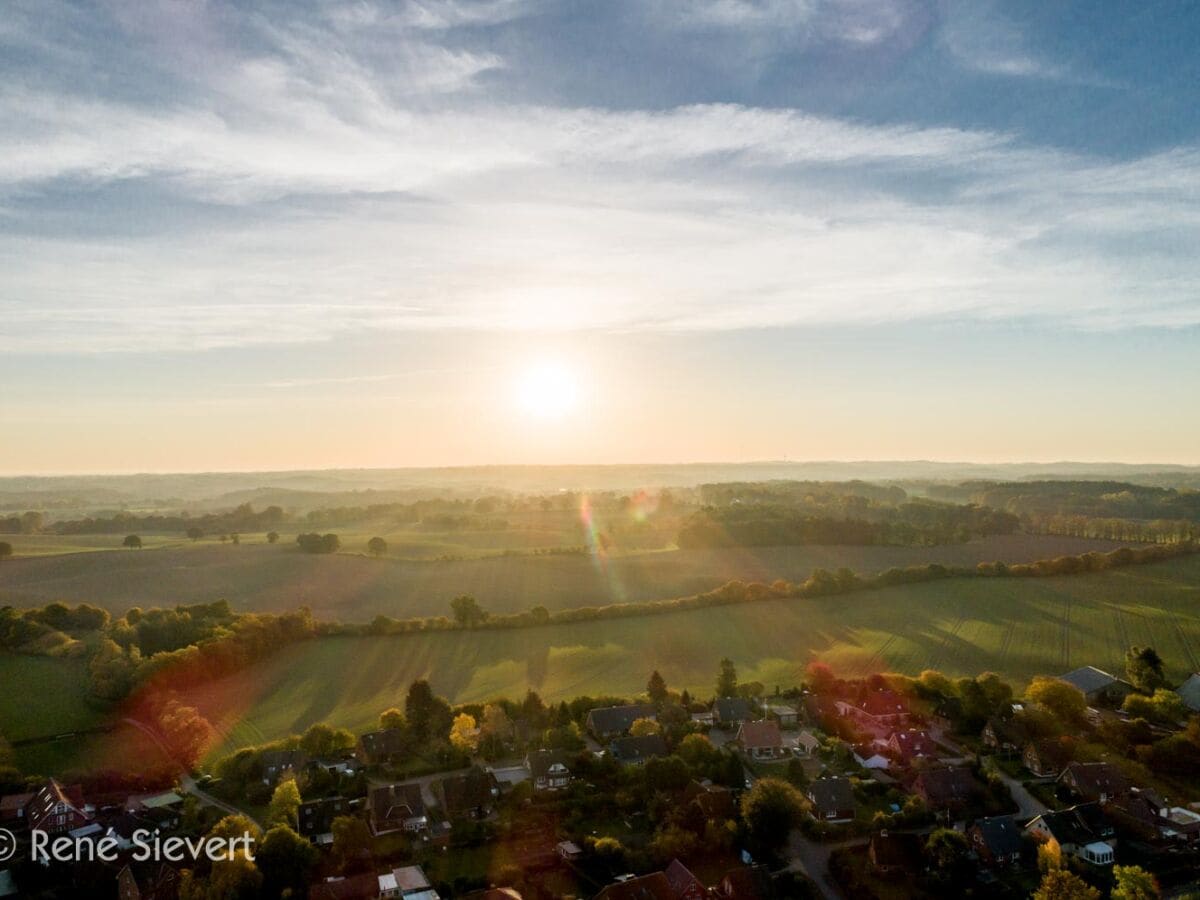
{"points": [[41, 697], [352, 587]]}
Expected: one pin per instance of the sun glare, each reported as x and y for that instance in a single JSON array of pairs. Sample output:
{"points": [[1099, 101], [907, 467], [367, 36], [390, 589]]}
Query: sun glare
{"points": [[546, 390]]}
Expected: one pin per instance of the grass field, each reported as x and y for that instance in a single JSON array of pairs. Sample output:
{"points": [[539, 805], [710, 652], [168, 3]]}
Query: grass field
{"points": [[1016, 627], [354, 588]]}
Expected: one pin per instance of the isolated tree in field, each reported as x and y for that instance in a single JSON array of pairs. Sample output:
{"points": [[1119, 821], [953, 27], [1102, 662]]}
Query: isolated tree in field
{"points": [[467, 611], [391, 718], [464, 735], [1134, 883], [195, 533], [727, 681], [772, 808], [1144, 668], [656, 687], [132, 541], [1059, 884], [377, 546], [284, 808], [644, 727], [286, 861], [1062, 700], [272, 537]]}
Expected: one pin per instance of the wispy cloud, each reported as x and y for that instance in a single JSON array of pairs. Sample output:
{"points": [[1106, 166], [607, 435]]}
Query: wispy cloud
{"points": [[445, 204]]}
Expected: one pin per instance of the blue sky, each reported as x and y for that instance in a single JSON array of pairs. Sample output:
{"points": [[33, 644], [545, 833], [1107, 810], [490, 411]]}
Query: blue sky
{"points": [[321, 234]]}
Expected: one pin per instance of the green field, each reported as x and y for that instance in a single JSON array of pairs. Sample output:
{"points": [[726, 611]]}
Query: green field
{"points": [[1016, 627], [355, 588]]}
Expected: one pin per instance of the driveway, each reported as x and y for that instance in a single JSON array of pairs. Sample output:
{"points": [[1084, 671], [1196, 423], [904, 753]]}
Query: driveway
{"points": [[1028, 805]]}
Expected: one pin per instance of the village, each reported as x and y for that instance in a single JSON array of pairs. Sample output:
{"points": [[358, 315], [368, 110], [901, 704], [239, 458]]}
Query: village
{"points": [[885, 786]]}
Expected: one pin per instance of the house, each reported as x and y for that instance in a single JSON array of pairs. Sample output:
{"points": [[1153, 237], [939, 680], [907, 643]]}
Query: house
{"points": [[761, 740], [714, 801], [1094, 781], [1081, 831], [148, 881], [634, 751], [609, 722], [396, 807], [730, 711], [471, 795], [807, 742], [568, 850], [407, 882], [280, 764], [550, 770], [867, 757], [895, 852], [352, 887], [1098, 686], [316, 817], [685, 885], [1154, 820], [1005, 735], [996, 840], [1046, 758], [881, 710], [909, 746], [946, 789], [745, 883], [334, 765], [378, 747], [706, 719], [786, 716], [55, 809], [1189, 692], [832, 800], [648, 887], [12, 810]]}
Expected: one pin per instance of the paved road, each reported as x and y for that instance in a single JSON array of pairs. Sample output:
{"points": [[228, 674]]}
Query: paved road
{"points": [[1028, 805], [812, 858], [186, 782]]}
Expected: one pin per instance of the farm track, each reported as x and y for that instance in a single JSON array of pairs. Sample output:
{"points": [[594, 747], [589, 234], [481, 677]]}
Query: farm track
{"points": [[948, 641], [1122, 629], [1006, 641]]}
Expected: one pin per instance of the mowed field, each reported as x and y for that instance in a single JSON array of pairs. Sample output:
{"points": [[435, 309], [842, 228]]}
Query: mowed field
{"points": [[350, 587], [1016, 627]]}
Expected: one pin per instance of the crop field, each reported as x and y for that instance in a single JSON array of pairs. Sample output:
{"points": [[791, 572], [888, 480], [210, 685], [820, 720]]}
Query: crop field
{"points": [[351, 587], [1016, 627]]}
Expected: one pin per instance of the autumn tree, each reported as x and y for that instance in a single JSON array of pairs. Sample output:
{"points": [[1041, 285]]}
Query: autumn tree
{"points": [[377, 546], [771, 809], [467, 611], [1134, 883], [464, 736], [351, 839], [284, 808], [1144, 667], [391, 718], [643, 727], [1059, 884], [286, 861], [320, 739], [1064, 701]]}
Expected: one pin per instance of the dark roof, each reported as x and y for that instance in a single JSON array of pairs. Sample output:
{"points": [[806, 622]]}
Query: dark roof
{"points": [[404, 798], [540, 761], [1051, 752], [1080, 824], [760, 734], [747, 883], [1089, 679], [896, 850], [681, 879], [463, 793], [715, 801], [1000, 834], [831, 794], [316, 816], [883, 703], [355, 887], [635, 749], [614, 719], [915, 743], [282, 759], [945, 786], [383, 743], [1096, 778], [649, 887], [733, 709], [1009, 731]]}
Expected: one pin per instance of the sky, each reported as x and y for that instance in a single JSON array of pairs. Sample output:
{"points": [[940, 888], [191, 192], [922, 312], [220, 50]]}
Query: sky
{"points": [[314, 234]]}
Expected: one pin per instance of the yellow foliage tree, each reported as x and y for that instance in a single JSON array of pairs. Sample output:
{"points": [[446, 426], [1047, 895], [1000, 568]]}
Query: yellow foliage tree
{"points": [[464, 735]]}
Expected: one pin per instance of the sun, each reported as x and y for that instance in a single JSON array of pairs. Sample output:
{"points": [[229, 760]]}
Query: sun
{"points": [[546, 390]]}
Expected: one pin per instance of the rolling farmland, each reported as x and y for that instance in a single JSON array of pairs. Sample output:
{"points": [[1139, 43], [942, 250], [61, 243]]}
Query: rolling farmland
{"points": [[354, 588]]}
